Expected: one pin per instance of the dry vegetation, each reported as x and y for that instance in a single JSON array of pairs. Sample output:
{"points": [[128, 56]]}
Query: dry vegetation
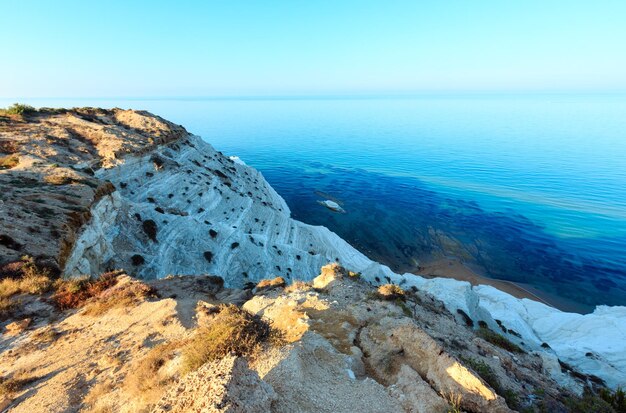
{"points": [[15, 383], [29, 278], [391, 292], [129, 295], [278, 282], [74, 293], [9, 161], [298, 286], [33, 280], [147, 379], [231, 331]]}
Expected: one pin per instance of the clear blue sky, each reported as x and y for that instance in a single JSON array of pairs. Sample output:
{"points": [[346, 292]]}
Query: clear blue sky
{"points": [[231, 47]]}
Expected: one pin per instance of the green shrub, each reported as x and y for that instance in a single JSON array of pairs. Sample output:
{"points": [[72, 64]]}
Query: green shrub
{"points": [[498, 340], [616, 399], [591, 403], [19, 109]]}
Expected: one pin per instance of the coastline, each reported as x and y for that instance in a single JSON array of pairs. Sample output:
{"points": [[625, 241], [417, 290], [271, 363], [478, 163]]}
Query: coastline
{"points": [[455, 269]]}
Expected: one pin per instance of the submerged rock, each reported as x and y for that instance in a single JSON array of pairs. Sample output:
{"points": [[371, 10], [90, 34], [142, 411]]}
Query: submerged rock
{"points": [[332, 205]]}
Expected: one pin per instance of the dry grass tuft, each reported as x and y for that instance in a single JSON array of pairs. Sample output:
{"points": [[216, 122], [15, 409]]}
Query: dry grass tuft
{"points": [[34, 280], [298, 286], [73, 293], [15, 383], [391, 292], [128, 296], [9, 161], [9, 287], [45, 335], [278, 282], [232, 331], [58, 179], [95, 395], [7, 305], [147, 380]]}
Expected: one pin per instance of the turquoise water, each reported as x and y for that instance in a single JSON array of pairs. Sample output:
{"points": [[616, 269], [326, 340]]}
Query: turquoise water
{"points": [[524, 188]]}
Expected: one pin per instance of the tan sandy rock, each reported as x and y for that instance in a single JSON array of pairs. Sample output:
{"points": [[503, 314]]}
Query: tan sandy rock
{"points": [[17, 327]]}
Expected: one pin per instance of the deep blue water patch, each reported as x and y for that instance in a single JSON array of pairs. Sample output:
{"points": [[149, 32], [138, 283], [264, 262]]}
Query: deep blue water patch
{"points": [[401, 222]]}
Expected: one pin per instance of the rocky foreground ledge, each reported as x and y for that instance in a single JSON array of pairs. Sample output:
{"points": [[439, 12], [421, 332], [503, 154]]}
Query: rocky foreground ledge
{"points": [[89, 190], [189, 344]]}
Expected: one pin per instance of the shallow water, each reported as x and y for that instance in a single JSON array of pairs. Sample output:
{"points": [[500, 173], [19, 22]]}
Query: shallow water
{"points": [[528, 188]]}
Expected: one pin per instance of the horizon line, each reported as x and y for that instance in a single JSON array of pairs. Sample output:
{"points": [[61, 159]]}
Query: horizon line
{"points": [[305, 96]]}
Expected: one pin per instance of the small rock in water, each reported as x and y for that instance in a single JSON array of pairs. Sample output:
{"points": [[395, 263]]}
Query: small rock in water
{"points": [[237, 160], [332, 205]]}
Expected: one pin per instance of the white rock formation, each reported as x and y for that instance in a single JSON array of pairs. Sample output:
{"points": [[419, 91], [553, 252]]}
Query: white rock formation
{"points": [[187, 209]]}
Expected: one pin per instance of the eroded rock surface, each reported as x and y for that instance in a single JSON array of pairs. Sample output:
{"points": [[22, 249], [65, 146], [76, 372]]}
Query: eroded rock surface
{"points": [[47, 195], [223, 386]]}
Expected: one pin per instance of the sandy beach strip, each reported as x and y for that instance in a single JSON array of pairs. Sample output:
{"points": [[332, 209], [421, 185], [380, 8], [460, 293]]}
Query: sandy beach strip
{"points": [[454, 268]]}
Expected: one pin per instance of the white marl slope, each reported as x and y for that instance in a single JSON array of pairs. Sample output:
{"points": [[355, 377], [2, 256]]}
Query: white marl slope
{"points": [[190, 190], [194, 191]]}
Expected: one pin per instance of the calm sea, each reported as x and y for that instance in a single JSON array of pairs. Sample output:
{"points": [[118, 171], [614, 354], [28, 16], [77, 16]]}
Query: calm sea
{"points": [[529, 188]]}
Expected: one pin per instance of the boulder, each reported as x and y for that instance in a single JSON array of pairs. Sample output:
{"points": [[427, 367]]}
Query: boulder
{"points": [[17, 327], [331, 275], [393, 342]]}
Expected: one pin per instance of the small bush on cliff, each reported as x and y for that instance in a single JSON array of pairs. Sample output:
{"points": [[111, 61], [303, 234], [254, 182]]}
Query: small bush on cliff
{"points": [[231, 331], [126, 296], [298, 286], [18, 109], [31, 279], [278, 282], [391, 292], [146, 380], [6, 307], [485, 372], [15, 383], [590, 402], [498, 340], [73, 293], [616, 399]]}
